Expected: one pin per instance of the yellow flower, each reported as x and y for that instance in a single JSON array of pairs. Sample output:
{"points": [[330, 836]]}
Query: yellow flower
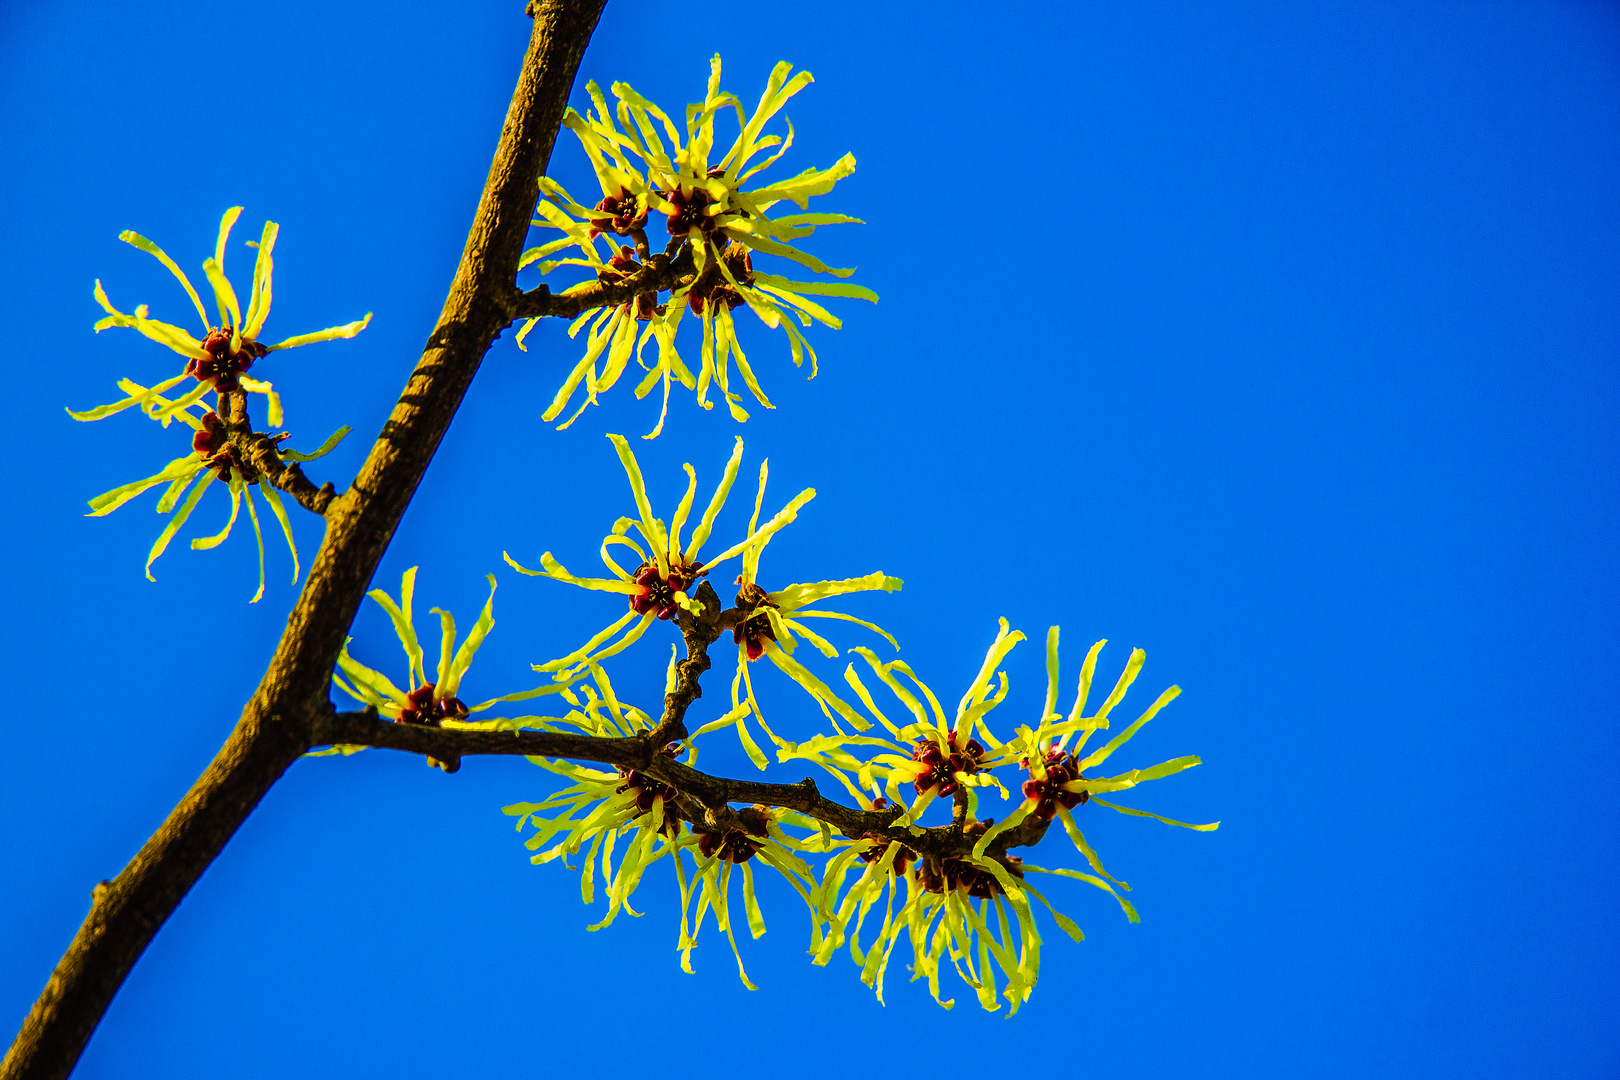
{"points": [[976, 910], [767, 625], [717, 217], [220, 359], [669, 565], [603, 812]]}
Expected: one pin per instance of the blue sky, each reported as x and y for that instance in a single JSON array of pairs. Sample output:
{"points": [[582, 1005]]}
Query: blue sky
{"points": [[1278, 340]]}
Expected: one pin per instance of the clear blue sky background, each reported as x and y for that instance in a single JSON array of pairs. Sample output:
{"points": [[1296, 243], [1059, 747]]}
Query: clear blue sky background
{"points": [[1277, 339]]}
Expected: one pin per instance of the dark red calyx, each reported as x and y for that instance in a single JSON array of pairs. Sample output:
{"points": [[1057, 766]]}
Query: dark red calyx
{"points": [[902, 858], [658, 590], [219, 455], [753, 633], [713, 288], [937, 875], [739, 845], [1061, 768], [622, 215], [425, 707], [212, 436], [734, 845], [739, 261], [619, 267], [944, 764], [647, 789], [754, 630], [690, 211], [223, 369]]}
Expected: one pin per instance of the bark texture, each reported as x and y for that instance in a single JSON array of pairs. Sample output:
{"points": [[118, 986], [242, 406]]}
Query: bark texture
{"points": [[279, 723]]}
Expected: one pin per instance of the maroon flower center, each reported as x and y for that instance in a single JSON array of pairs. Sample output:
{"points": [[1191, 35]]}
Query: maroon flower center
{"points": [[713, 286], [753, 633], [213, 443], [902, 858], [647, 790], [1061, 768], [734, 845], [739, 845], [944, 764], [223, 368], [623, 215], [690, 212], [425, 707], [657, 591], [938, 875]]}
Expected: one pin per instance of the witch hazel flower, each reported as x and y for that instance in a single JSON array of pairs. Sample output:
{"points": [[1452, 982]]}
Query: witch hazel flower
{"points": [[669, 565], [717, 215], [432, 702], [230, 345]]}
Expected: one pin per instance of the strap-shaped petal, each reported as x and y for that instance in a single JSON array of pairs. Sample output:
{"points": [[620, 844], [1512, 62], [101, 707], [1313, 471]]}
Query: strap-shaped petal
{"points": [[404, 626], [204, 543], [263, 271], [1097, 757], [1211, 827], [332, 333], [179, 468], [320, 451], [274, 499], [135, 239], [179, 519]]}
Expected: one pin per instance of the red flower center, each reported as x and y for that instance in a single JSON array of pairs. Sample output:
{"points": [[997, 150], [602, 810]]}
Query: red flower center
{"points": [[657, 592], [623, 215], [902, 858], [1061, 768], [690, 212], [647, 790], [214, 444], [753, 633], [943, 765], [937, 876], [223, 369], [738, 845], [713, 286], [426, 707]]}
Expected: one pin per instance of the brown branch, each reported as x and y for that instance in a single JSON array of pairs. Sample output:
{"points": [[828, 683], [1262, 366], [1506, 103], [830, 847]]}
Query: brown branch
{"points": [[712, 793], [661, 273], [262, 453], [277, 725], [259, 450], [366, 728]]}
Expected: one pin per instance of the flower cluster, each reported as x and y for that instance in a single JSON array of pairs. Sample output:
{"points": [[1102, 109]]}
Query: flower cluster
{"points": [[717, 215], [428, 701], [218, 362], [220, 359], [765, 623], [952, 890], [974, 908]]}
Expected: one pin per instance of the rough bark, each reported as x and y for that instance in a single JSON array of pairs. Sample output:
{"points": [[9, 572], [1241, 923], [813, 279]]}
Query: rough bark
{"points": [[277, 725]]}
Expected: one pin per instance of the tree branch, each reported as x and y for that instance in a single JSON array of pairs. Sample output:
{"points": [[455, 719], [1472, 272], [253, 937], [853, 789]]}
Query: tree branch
{"points": [[660, 274], [277, 724], [714, 793], [261, 452]]}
